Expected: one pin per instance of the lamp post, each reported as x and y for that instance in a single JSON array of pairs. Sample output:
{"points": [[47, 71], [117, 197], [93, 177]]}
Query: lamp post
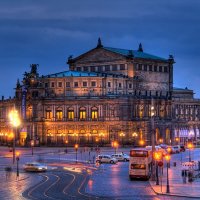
{"points": [[190, 147], [76, 149], [17, 159], [141, 142], [134, 135], [66, 142], [32, 145], [122, 136], [177, 140], [115, 145], [152, 139], [101, 135], [157, 157], [15, 122], [167, 157]]}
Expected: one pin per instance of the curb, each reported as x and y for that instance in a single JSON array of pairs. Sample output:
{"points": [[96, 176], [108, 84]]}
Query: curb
{"points": [[172, 194]]}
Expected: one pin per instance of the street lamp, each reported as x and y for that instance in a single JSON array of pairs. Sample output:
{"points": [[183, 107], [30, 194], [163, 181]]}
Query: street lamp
{"points": [[15, 122], [32, 145], [141, 142], [115, 145], [167, 158], [17, 159], [134, 135], [157, 157], [190, 146], [102, 135], [76, 149], [161, 140], [177, 140], [66, 142], [122, 136], [152, 112]]}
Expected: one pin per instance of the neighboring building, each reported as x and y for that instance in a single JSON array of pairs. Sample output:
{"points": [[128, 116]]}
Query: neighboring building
{"points": [[107, 94]]}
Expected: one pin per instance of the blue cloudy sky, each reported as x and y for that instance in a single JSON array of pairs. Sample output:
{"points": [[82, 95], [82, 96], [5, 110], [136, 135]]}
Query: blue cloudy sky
{"points": [[46, 32]]}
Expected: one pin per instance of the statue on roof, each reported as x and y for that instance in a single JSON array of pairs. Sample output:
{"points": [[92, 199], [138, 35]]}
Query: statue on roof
{"points": [[18, 84], [99, 44], [34, 68], [70, 57], [140, 48]]}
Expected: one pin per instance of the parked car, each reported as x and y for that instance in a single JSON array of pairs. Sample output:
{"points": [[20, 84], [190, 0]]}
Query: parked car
{"points": [[35, 167], [176, 149], [121, 157], [106, 159], [158, 148]]}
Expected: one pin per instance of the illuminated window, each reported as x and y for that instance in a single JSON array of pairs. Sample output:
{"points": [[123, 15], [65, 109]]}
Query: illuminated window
{"points": [[141, 111], [162, 112], [94, 113], [48, 114], [82, 113], [70, 114], [59, 114]]}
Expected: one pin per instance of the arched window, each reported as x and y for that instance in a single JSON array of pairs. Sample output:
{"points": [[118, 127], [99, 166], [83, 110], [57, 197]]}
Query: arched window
{"points": [[141, 111], [82, 113], [70, 114], [59, 114], [94, 113], [162, 111], [49, 114]]}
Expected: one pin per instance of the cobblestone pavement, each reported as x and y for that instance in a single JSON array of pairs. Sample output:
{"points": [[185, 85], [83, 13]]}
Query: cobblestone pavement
{"points": [[112, 181], [12, 188], [107, 182], [179, 187]]}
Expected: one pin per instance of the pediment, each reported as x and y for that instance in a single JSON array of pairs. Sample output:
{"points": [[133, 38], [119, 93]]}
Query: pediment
{"points": [[98, 55]]}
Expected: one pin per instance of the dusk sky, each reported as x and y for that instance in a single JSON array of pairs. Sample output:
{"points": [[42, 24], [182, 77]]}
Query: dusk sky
{"points": [[46, 32]]}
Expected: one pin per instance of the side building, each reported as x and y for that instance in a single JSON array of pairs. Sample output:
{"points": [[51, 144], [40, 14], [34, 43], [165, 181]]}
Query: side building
{"points": [[108, 94]]}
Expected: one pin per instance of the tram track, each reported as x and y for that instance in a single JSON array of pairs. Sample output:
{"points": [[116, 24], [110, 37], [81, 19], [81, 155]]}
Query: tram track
{"points": [[60, 185]]}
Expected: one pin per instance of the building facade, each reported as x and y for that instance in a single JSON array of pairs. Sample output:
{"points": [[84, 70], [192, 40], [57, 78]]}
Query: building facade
{"points": [[108, 94]]}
